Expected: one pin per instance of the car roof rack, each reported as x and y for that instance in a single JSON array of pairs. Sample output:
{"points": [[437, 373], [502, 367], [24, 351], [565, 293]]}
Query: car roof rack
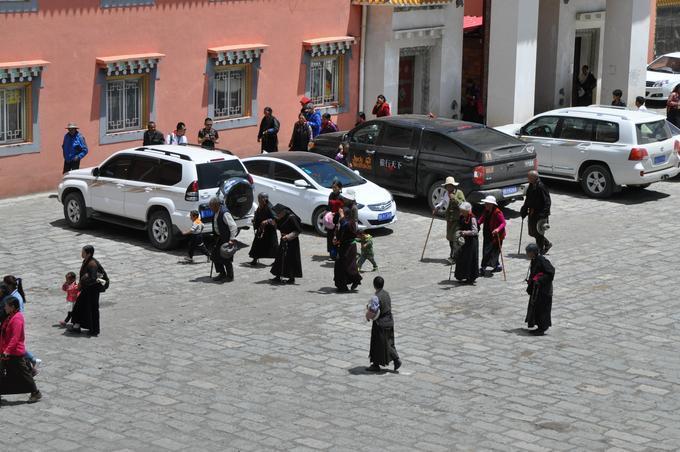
{"points": [[168, 153]]}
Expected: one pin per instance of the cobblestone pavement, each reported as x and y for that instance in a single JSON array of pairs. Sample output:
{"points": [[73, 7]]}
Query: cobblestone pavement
{"points": [[186, 364]]}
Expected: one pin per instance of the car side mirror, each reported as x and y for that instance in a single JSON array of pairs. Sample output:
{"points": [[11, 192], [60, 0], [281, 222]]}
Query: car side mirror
{"points": [[356, 171], [519, 132], [301, 183], [95, 172], [345, 138]]}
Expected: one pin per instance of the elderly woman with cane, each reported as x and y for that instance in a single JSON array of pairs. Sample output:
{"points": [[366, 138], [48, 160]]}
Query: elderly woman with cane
{"points": [[467, 269], [540, 290], [493, 231], [288, 262]]}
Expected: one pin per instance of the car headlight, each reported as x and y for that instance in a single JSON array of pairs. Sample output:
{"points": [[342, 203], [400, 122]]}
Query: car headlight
{"points": [[360, 206], [661, 83]]}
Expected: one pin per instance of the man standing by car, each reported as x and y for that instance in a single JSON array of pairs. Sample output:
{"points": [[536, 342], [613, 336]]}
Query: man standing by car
{"points": [[74, 148], [537, 207], [450, 201], [269, 132], [152, 136], [207, 136], [225, 228]]}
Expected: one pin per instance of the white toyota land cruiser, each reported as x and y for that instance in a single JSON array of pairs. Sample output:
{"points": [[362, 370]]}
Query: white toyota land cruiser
{"points": [[155, 188]]}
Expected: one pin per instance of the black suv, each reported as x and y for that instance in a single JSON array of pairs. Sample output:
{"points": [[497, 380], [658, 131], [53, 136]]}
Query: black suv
{"points": [[411, 155]]}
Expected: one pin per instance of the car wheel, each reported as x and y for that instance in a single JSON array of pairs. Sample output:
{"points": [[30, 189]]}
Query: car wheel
{"points": [[434, 193], [639, 187], [74, 210], [317, 220], [160, 232], [597, 181]]}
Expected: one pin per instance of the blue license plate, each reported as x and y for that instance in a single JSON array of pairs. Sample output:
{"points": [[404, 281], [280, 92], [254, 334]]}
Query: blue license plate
{"points": [[384, 216], [509, 191], [659, 159]]}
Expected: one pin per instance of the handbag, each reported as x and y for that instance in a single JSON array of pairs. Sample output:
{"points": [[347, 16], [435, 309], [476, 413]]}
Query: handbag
{"points": [[227, 251]]}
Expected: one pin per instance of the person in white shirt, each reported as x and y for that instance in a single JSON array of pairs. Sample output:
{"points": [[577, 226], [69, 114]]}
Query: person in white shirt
{"points": [[640, 103], [179, 136]]}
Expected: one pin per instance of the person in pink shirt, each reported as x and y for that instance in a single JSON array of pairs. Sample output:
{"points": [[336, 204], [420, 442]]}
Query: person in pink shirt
{"points": [[16, 377], [70, 286]]}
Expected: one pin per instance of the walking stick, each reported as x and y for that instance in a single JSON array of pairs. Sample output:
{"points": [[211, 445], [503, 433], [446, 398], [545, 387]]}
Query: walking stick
{"points": [[450, 271], [422, 256], [521, 230], [500, 248]]}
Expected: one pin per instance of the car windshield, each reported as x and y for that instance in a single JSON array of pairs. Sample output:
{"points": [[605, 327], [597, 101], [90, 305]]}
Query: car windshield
{"points": [[211, 174], [325, 172], [665, 64], [652, 132], [483, 139]]}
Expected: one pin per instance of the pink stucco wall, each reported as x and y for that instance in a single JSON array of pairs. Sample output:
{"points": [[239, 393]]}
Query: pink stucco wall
{"points": [[71, 34]]}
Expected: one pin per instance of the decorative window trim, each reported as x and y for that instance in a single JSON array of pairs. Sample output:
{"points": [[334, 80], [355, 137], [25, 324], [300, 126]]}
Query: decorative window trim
{"points": [[403, 3], [410, 33], [20, 6], [247, 87], [125, 3], [329, 46], [20, 71], [144, 105], [220, 59], [130, 64]]}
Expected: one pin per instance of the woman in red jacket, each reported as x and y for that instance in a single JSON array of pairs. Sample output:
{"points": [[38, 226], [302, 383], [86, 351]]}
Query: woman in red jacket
{"points": [[381, 108], [494, 232], [15, 377]]}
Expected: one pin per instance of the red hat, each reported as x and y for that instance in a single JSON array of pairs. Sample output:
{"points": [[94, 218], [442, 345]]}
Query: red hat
{"points": [[305, 100]]}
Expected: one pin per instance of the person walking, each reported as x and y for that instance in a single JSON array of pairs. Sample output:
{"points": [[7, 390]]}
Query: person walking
{"points": [[537, 207], [450, 202], [382, 350], [93, 281], [288, 262], [493, 231], [381, 107], [179, 136], [265, 243], [268, 135], [224, 227], [345, 270], [74, 148], [152, 136], [366, 241], [302, 135], [335, 203], [585, 85], [15, 374], [673, 106], [16, 289], [312, 116], [467, 263], [207, 136], [540, 290]]}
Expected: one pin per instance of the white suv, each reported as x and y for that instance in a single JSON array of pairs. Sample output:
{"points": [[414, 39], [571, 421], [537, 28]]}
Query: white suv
{"points": [[155, 188], [601, 147]]}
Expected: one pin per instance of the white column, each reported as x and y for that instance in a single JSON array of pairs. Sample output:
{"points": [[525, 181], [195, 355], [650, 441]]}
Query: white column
{"points": [[451, 64], [379, 56], [512, 61], [626, 41]]}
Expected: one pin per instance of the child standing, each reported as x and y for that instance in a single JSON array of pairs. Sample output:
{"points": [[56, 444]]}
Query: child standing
{"points": [[196, 237], [70, 286], [366, 241]]}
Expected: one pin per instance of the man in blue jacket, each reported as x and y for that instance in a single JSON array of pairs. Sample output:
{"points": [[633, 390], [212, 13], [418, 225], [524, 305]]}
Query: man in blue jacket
{"points": [[74, 148], [312, 116]]}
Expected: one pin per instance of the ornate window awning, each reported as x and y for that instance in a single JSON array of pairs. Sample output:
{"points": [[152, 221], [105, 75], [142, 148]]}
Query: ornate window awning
{"points": [[21, 71], [130, 64], [329, 46], [430, 32], [236, 54], [402, 2]]}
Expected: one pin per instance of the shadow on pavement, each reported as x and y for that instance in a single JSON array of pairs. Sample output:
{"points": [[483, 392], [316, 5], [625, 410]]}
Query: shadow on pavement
{"points": [[429, 260], [361, 370], [627, 196], [325, 291], [518, 331]]}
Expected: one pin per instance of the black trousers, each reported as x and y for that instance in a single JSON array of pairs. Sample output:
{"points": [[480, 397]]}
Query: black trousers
{"points": [[222, 266], [196, 242], [541, 241], [490, 254], [72, 165]]}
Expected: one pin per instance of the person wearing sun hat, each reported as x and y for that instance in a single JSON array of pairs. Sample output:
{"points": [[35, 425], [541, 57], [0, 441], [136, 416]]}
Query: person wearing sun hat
{"points": [[493, 232], [74, 148], [449, 202]]}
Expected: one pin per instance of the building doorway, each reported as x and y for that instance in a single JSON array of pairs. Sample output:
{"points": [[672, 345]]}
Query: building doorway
{"points": [[586, 53], [407, 66]]}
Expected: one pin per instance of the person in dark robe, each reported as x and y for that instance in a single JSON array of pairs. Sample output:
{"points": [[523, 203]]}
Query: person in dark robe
{"points": [[345, 270], [225, 231], [537, 203], [492, 221], [268, 135], [335, 203], [585, 85], [265, 243], [467, 267], [15, 375], [382, 350], [301, 136], [93, 279], [152, 136], [288, 262], [540, 290]]}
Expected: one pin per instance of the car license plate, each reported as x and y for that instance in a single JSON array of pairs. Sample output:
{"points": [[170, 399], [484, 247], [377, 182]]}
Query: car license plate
{"points": [[659, 159], [384, 216], [509, 191]]}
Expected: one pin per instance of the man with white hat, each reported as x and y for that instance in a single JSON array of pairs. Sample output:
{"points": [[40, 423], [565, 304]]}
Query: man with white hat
{"points": [[449, 202], [350, 199], [74, 148], [494, 232]]}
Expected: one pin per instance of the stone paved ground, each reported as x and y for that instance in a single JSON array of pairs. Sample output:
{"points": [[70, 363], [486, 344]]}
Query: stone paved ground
{"points": [[185, 364]]}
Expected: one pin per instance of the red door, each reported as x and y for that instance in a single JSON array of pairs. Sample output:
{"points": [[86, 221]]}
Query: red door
{"points": [[407, 66]]}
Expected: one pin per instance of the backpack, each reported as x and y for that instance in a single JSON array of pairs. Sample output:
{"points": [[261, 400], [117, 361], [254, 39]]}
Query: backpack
{"points": [[328, 220], [102, 278]]}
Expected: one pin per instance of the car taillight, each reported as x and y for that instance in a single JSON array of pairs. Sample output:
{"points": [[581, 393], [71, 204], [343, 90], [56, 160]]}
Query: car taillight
{"points": [[677, 147], [192, 192], [478, 175], [250, 179], [638, 154]]}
